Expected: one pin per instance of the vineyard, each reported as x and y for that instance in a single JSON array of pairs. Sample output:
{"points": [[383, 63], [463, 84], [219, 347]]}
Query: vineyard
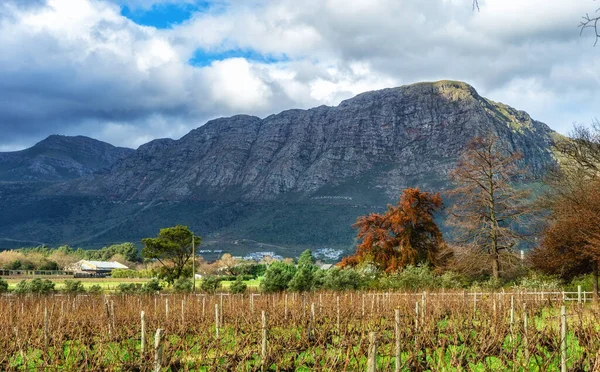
{"points": [[351, 331]]}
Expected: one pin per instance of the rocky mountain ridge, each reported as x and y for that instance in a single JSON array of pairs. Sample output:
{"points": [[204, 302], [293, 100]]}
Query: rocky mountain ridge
{"points": [[59, 158], [395, 137], [289, 181]]}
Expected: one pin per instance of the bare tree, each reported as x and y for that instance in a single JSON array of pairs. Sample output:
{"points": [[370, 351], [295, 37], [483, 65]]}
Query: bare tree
{"points": [[570, 245], [486, 207]]}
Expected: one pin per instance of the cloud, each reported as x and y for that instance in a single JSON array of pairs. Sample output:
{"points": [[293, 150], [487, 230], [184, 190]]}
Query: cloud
{"points": [[86, 67]]}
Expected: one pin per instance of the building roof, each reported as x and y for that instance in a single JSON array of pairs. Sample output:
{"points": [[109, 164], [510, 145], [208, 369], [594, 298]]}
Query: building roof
{"points": [[100, 265]]}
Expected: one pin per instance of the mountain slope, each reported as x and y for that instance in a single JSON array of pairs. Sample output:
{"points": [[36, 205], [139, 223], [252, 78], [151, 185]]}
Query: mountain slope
{"points": [[393, 137], [59, 158], [293, 180]]}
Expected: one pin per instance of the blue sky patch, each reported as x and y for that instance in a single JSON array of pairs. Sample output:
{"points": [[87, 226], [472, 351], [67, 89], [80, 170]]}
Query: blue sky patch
{"points": [[202, 58], [164, 15]]}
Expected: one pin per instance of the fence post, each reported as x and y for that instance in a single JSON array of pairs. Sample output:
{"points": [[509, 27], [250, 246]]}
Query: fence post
{"points": [[263, 350], [525, 326], [158, 350], [512, 317], [166, 308], [216, 321], [563, 339], [337, 304], [397, 333], [143, 335], [46, 326], [285, 307], [203, 307], [372, 361], [579, 294]]}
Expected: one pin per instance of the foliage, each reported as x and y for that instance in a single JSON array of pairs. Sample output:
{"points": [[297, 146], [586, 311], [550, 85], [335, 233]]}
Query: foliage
{"points": [[3, 285], [277, 277], [487, 208], [36, 286], [210, 284], [570, 245], [73, 286], [127, 288], [252, 269], [172, 248], [152, 286], [536, 281], [183, 285], [303, 279], [405, 235], [337, 279], [238, 286], [95, 289], [128, 250], [130, 274], [306, 258]]}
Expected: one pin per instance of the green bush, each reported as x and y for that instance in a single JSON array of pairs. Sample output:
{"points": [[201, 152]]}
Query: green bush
{"points": [[127, 288], [152, 286], [95, 289], [183, 285], [412, 278], [238, 286], [3, 285], [337, 279], [303, 279], [131, 274], [277, 277], [210, 284], [37, 286], [73, 286], [49, 266]]}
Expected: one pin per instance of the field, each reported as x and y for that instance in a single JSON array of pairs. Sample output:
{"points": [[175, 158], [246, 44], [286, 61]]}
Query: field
{"points": [[112, 284], [305, 332]]}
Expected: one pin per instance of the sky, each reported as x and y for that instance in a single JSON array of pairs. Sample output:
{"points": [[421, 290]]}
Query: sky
{"points": [[129, 71]]}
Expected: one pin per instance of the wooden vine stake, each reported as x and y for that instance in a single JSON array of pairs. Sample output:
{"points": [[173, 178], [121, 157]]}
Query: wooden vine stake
{"points": [[372, 361], [46, 326], [563, 339], [263, 349], [216, 321], [525, 326], [158, 350], [397, 338], [143, 333]]}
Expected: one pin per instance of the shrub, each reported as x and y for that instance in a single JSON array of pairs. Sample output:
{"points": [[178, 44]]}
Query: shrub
{"points": [[37, 286], [3, 285], [130, 274], [412, 278], [210, 284], [127, 288], [152, 286], [95, 289], [73, 286], [542, 282], [238, 286], [277, 277], [337, 279], [14, 265], [303, 280], [49, 265], [183, 285]]}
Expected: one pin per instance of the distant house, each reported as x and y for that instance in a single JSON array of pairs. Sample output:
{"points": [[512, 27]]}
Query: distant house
{"points": [[325, 266], [96, 267]]}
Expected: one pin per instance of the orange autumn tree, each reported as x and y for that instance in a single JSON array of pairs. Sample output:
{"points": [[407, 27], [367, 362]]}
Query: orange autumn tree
{"points": [[406, 234]]}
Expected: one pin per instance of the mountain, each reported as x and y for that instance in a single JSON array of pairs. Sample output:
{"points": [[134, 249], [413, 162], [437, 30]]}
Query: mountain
{"points": [[286, 182], [59, 158]]}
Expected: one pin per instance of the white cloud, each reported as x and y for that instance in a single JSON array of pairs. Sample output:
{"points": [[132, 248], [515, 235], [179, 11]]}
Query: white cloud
{"points": [[80, 67]]}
